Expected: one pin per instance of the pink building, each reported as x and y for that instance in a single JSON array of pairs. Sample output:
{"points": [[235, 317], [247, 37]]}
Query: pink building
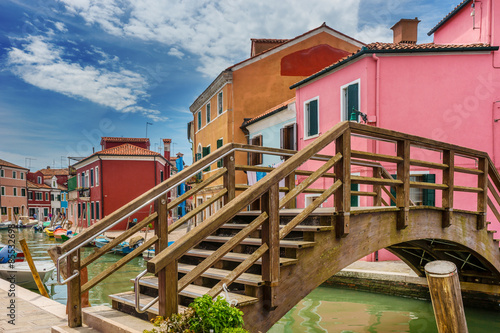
{"points": [[13, 199], [447, 91]]}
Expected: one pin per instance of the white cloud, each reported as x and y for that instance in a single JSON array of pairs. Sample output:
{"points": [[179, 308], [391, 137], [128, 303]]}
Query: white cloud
{"points": [[41, 64], [176, 53], [218, 32]]}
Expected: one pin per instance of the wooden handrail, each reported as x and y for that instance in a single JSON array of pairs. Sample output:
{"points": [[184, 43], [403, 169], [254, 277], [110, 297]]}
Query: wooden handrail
{"points": [[200, 232]]}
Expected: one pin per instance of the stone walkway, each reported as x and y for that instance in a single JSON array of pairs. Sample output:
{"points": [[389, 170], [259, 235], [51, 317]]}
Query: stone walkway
{"points": [[33, 312]]}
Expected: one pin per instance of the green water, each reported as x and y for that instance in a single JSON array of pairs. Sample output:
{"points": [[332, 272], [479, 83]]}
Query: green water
{"points": [[326, 309]]}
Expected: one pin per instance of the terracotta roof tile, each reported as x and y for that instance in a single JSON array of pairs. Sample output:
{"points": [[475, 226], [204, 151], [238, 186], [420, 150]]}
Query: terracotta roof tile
{"points": [[268, 40], [35, 185], [269, 112], [127, 149], [54, 172], [12, 165], [114, 139]]}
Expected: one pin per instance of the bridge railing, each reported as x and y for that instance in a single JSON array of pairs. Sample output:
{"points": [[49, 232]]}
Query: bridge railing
{"points": [[377, 184]]}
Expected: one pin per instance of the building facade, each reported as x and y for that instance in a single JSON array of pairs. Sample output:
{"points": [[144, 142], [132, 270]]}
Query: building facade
{"points": [[13, 191], [39, 199]]}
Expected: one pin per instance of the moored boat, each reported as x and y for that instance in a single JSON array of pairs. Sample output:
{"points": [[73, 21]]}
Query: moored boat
{"points": [[20, 273]]}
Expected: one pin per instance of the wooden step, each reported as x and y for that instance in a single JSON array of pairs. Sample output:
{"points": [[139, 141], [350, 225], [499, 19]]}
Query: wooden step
{"points": [[236, 257], [257, 242], [105, 319], [302, 228], [67, 329], [193, 291], [219, 274], [128, 298]]}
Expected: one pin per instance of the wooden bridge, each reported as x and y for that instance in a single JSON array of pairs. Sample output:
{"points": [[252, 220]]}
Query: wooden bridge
{"points": [[273, 257]]}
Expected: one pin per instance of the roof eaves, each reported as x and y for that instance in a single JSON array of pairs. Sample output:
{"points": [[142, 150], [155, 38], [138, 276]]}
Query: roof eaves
{"points": [[256, 119], [447, 17], [365, 50]]}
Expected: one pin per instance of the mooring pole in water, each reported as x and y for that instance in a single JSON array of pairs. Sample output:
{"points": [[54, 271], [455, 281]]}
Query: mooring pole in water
{"points": [[34, 272], [446, 296]]}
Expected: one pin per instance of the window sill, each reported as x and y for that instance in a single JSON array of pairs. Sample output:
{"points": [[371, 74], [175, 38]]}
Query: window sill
{"points": [[312, 137]]}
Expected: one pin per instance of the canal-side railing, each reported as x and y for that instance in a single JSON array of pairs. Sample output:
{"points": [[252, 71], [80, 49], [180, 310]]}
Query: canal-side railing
{"points": [[267, 190]]}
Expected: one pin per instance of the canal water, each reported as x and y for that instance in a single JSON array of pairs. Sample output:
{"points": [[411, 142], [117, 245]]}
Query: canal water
{"points": [[326, 309]]}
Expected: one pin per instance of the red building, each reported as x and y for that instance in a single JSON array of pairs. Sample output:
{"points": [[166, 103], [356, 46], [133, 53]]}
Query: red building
{"points": [[108, 179], [39, 200]]}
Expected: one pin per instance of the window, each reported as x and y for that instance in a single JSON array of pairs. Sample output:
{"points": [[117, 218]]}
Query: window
{"points": [[350, 101], [219, 103], [96, 176], [22, 175], [420, 196], [38, 196], [92, 212], [79, 210], [97, 213], [45, 211], [199, 120], [39, 178], [220, 143], [83, 180], [30, 195], [59, 197], [3, 190], [46, 197], [23, 192], [92, 177], [87, 178], [14, 174], [161, 175], [2, 173], [51, 197], [15, 191], [4, 210], [288, 137], [208, 113], [54, 183], [256, 158], [311, 118], [16, 210], [206, 151]]}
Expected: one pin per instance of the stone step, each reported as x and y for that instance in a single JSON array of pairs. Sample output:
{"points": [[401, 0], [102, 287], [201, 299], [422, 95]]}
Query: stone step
{"points": [[219, 274], [193, 291], [236, 257], [302, 228], [291, 244], [67, 329], [128, 299], [105, 319]]}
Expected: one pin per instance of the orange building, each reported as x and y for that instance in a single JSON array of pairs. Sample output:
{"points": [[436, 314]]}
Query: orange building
{"points": [[256, 84], [13, 198]]}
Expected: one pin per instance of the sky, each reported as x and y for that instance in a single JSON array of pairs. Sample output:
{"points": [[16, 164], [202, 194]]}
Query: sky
{"points": [[72, 71]]}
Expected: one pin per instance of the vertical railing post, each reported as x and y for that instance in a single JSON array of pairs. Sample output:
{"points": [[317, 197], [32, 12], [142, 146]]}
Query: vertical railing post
{"points": [[343, 194], [270, 236], [167, 277], [74, 303], [482, 197], [290, 183], [403, 190], [447, 194], [377, 200], [229, 178]]}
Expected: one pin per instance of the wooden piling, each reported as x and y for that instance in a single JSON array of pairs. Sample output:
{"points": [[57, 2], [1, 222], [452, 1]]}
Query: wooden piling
{"points": [[446, 296], [34, 272]]}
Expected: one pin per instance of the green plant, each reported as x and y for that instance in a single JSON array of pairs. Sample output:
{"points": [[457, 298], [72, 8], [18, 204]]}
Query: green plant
{"points": [[177, 323], [214, 315], [234, 330]]}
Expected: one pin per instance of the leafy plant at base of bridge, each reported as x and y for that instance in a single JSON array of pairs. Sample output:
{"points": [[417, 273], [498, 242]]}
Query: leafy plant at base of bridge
{"points": [[204, 315]]}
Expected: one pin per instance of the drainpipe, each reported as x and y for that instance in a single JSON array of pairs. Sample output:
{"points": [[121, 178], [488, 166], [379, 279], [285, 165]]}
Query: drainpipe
{"points": [[101, 185], [377, 98], [1, 168]]}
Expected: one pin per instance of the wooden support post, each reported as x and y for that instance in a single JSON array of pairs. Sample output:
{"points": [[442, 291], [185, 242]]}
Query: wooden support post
{"points": [[270, 236], [447, 194], [482, 197], [446, 296], [403, 190], [343, 173], [377, 200], [74, 303], [229, 178], [290, 183], [167, 277], [34, 272]]}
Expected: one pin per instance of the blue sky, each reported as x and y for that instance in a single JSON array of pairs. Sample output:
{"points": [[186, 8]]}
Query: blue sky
{"points": [[72, 71]]}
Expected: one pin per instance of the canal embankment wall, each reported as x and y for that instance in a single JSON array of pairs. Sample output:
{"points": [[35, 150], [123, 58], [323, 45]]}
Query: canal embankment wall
{"points": [[397, 279]]}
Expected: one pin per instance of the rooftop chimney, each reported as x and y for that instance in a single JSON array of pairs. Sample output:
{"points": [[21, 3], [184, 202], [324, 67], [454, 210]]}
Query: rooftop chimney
{"points": [[166, 148], [405, 31]]}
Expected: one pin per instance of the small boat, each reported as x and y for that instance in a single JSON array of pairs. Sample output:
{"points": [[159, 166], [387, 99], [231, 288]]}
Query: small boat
{"points": [[59, 232], [26, 222], [5, 225], [20, 273], [6, 253], [123, 247]]}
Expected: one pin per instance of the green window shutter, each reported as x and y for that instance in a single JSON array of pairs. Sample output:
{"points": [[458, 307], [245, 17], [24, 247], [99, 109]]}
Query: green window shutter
{"points": [[313, 118], [206, 151], [393, 191], [354, 198], [219, 144], [208, 113], [352, 100], [199, 120], [429, 195]]}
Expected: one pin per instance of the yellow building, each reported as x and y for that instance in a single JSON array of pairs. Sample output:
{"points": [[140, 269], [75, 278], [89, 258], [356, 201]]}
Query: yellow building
{"points": [[248, 88]]}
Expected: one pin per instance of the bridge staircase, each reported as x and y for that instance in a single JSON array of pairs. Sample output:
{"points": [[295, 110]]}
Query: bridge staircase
{"points": [[265, 261]]}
